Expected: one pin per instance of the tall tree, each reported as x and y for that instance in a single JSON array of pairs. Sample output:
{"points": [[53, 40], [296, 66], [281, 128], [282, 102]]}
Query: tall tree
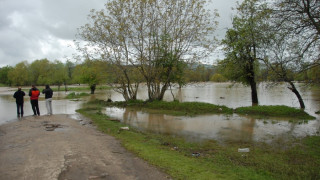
{"points": [[59, 74], [244, 44], [40, 72], [282, 61], [91, 72], [4, 71], [152, 36], [295, 44], [19, 75]]}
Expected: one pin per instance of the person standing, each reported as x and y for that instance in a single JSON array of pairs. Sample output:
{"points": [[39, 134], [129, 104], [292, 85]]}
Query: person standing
{"points": [[48, 96], [19, 95], [34, 94]]}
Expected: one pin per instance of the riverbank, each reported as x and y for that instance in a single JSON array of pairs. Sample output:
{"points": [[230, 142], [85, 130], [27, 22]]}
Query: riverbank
{"points": [[57, 147], [284, 159]]}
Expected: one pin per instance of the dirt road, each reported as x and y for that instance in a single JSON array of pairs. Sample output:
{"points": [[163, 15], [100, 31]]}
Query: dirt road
{"points": [[58, 147]]}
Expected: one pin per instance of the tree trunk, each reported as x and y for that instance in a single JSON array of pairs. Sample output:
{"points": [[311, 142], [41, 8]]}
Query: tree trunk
{"points": [[254, 94], [296, 92], [65, 87], [162, 92], [252, 82]]}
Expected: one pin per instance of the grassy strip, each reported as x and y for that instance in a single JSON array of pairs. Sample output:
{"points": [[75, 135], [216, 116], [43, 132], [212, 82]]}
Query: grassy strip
{"points": [[175, 107], [80, 88], [176, 157], [195, 108], [74, 95], [275, 111]]}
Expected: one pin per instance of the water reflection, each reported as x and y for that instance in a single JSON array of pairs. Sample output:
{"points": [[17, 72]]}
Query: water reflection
{"points": [[219, 127], [234, 95]]}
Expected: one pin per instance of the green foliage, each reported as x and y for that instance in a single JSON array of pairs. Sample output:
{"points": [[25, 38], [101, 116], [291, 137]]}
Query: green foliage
{"points": [[4, 71], [199, 72], [218, 78], [274, 111], [90, 72], [299, 159], [59, 73], [40, 72], [20, 74], [244, 41]]}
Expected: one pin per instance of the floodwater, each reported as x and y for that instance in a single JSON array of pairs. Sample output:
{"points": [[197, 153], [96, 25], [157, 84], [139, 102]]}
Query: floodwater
{"points": [[8, 110], [223, 128]]}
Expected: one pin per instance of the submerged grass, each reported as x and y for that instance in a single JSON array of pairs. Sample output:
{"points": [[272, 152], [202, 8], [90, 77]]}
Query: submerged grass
{"points": [[274, 111], [175, 107], [74, 95], [209, 160], [196, 108], [80, 88]]}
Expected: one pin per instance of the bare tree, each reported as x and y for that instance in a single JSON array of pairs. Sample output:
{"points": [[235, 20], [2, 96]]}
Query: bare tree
{"points": [[295, 45], [154, 37], [282, 61], [300, 18]]}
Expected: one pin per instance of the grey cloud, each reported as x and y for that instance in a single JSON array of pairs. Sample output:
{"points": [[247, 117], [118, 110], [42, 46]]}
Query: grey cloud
{"points": [[35, 29]]}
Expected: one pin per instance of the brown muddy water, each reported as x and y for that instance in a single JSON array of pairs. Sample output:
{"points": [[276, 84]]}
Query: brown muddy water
{"points": [[222, 128]]}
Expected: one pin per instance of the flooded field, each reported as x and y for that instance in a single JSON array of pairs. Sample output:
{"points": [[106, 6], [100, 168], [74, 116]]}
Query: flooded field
{"points": [[219, 127]]}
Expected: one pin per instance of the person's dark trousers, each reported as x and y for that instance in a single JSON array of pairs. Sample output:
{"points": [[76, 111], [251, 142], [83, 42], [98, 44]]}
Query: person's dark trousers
{"points": [[20, 109], [35, 107]]}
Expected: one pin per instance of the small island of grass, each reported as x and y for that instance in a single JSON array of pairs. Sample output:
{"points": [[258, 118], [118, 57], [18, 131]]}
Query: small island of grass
{"points": [[175, 107], [274, 111], [197, 108], [74, 95]]}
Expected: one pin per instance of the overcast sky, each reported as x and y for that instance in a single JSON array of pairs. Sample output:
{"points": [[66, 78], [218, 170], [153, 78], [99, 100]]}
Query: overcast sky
{"points": [[37, 29]]}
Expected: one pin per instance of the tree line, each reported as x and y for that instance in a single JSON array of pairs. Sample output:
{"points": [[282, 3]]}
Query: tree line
{"points": [[91, 72]]}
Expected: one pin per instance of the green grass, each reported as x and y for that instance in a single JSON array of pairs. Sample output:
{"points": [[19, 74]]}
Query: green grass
{"points": [[299, 159], [74, 95], [175, 107], [274, 111]]}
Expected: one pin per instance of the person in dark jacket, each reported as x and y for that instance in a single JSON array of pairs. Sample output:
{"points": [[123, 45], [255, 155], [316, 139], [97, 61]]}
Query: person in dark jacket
{"points": [[48, 96], [34, 94], [19, 95]]}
